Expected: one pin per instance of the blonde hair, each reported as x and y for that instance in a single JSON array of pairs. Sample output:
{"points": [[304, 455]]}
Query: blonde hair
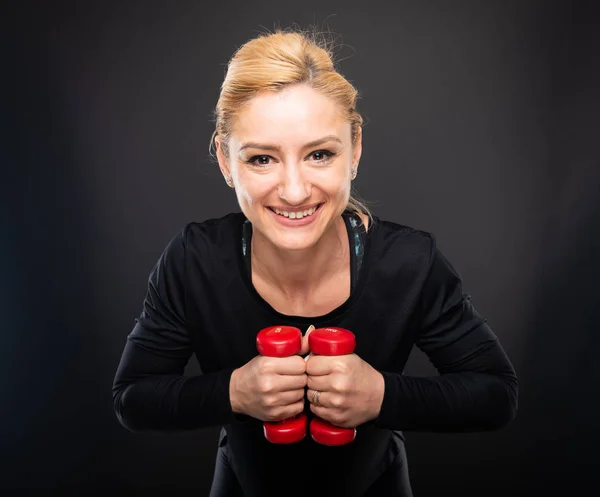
{"points": [[273, 61]]}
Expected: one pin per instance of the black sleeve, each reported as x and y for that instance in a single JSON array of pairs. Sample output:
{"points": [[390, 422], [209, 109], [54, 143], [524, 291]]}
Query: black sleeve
{"points": [[149, 389], [477, 388]]}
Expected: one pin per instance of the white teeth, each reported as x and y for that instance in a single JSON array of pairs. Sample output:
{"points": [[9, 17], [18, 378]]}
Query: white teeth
{"points": [[296, 215]]}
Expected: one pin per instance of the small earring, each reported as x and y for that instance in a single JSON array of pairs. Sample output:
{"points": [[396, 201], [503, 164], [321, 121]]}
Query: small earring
{"points": [[354, 173], [229, 182]]}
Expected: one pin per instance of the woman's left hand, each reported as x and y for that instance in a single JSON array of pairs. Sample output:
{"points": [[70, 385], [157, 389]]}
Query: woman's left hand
{"points": [[351, 389]]}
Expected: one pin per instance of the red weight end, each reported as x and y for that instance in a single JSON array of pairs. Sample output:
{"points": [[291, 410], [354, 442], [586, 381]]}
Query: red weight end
{"points": [[327, 434], [279, 341], [287, 431], [332, 341]]}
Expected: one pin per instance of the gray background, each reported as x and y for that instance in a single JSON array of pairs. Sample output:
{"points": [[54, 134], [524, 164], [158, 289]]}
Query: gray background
{"points": [[481, 127]]}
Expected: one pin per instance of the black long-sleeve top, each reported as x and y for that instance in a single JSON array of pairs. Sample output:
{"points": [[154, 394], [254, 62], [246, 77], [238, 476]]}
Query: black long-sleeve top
{"points": [[200, 300]]}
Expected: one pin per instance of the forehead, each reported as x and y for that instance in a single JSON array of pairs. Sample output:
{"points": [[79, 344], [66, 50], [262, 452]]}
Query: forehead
{"points": [[297, 114]]}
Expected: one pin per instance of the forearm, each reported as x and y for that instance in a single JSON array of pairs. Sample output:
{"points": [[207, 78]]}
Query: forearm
{"points": [[456, 402], [173, 402]]}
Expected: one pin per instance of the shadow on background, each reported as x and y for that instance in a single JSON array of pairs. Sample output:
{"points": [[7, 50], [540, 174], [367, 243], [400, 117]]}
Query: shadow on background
{"points": [[558, 430], [560, 418]]}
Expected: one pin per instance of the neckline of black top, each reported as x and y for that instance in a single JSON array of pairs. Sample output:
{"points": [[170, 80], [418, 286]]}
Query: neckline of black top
{"points": [[358, 275]]}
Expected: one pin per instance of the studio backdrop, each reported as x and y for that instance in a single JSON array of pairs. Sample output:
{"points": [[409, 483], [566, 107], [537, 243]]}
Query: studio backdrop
{"points": [[480, 126]]}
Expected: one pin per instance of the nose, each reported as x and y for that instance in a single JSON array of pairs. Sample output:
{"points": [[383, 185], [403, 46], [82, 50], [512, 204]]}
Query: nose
{"points": [[293, 186]]}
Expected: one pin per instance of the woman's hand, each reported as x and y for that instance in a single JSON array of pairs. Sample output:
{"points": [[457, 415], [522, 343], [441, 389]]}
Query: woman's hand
{"points": [[351, 389], [269, 388]]}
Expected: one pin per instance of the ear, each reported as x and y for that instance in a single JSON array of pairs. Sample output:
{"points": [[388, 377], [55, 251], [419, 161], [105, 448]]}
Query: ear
{"points": [[357, 148], [223, 161]]}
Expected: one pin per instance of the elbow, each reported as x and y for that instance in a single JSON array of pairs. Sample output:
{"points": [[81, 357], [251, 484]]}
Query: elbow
{"points": [[125, 411], [503, 417], [506, 405]]}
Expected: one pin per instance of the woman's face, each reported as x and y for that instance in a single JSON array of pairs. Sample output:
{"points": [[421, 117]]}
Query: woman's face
{"points": [[291, 152]]}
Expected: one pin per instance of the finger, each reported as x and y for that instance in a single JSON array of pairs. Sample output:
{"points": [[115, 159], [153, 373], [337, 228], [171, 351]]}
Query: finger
{"points": [[291, 382], [319, 365], [288, 412], [295, 409], [310, 395], [292, 365], [321, 383], [305, 348], [285, 398], [321, 412], [327, 415]]}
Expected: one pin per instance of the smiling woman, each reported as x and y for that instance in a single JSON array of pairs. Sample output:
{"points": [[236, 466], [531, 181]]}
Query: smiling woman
{"points": [[279, 61], [291, 151], [288, 139], [304, 253]]}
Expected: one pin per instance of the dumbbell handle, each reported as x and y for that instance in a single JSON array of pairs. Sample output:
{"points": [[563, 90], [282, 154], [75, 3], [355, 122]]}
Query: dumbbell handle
{"points": [[282, 341], [331, 342]]}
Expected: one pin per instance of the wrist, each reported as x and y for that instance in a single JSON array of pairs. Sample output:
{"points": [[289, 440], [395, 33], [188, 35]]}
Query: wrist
{"points": [[233, 396], [379, 391]]}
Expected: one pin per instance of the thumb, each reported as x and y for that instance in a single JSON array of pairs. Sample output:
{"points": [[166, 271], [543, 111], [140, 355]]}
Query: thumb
{"points": [[305, 350]]}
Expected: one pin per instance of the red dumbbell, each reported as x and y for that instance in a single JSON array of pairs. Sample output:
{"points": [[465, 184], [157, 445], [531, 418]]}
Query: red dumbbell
{"points": [[282, 341], [331, 341]]}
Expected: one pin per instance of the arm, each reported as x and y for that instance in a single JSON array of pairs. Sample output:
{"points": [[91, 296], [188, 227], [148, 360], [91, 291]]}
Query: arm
{"points": [[149, 389], [477, 388]]}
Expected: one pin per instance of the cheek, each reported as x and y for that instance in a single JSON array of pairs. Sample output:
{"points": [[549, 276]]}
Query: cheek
{"points": [[244, 198], [245, 195], [251, 190], [335, 185]]}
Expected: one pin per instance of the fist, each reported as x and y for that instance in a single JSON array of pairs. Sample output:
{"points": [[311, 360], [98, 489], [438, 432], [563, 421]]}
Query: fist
{"points": [[270, 388], [351, 390]]}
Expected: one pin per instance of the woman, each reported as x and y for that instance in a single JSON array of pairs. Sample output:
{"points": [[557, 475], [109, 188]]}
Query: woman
{"points": [[303, 252]]}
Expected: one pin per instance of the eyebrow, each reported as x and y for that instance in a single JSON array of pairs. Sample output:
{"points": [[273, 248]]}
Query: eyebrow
{"points": [[277, 148]]}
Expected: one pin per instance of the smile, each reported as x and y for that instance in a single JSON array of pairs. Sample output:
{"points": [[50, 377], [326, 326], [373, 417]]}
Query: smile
{"points": [[296, 219], [296, 215]]}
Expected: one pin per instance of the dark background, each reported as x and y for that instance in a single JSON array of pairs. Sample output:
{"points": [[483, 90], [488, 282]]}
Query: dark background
{"points": [[481, 126]]}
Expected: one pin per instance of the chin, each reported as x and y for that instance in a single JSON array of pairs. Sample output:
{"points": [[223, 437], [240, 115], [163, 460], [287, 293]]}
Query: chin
{"points": [[290, 242]]}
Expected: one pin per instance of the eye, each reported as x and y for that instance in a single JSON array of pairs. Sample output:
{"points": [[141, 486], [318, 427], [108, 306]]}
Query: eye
{"points": [[322, 155], [259, 160]]}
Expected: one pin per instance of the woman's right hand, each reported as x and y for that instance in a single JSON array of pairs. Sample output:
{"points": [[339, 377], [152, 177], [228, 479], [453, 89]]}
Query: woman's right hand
{"points": [[269, 388]]}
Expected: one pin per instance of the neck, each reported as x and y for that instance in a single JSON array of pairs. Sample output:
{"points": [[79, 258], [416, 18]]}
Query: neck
{"points": [[297, 273]]}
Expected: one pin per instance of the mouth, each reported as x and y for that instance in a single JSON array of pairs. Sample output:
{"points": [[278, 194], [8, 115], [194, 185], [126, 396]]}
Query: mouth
{"points": [[296, 215]]}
